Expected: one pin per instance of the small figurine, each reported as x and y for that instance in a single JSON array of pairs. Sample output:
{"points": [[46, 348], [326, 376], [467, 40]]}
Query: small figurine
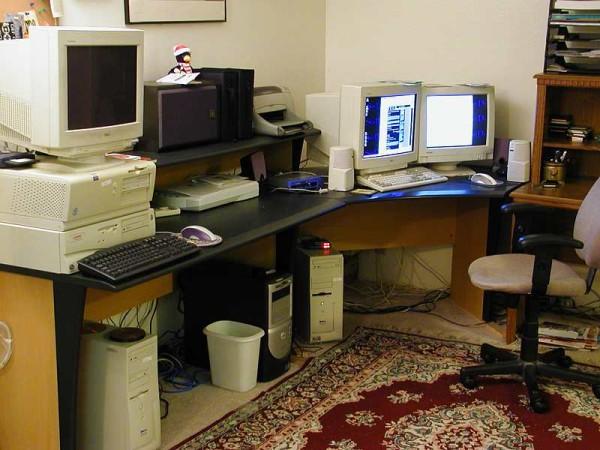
{"points": [[183, 57]]}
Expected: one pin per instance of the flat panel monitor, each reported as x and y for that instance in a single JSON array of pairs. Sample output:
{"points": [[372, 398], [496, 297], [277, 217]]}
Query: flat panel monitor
{"points": [[457, 125], [71, 92], [380, 122]]}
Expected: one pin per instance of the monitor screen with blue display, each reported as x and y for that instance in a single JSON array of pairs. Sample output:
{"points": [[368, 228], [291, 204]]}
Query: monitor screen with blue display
{"points": [[389, 126], [456, 120]]}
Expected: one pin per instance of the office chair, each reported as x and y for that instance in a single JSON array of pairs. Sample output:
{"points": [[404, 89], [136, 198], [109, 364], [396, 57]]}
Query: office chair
{"points": [[536, 276]]}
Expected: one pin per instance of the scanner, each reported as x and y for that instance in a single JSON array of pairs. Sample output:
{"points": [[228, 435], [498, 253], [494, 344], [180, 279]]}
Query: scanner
{"points": [[273, 112]]}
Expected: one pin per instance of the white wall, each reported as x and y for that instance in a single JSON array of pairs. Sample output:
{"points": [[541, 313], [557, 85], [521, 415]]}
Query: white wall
{"points": [[283, 40], [498, 42]]}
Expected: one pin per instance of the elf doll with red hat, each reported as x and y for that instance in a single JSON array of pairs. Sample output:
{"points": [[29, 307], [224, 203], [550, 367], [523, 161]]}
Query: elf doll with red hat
{"points": [[183, 57]]}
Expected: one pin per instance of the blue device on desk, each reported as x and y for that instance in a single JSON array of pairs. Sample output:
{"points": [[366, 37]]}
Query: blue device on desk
{"points": [[296, 180]]}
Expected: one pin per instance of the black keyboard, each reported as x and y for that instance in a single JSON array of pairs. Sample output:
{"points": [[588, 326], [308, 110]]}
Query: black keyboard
{"points": [[127, 260]]}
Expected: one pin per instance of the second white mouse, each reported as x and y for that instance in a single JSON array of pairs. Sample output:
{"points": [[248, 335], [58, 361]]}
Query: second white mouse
{"points": [[483, 179]]}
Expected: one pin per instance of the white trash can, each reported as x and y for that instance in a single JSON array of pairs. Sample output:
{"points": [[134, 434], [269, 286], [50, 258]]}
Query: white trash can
{"points": [[233, 350]]}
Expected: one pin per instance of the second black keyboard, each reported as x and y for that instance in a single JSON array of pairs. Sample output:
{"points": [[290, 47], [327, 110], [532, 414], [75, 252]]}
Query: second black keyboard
{"points": [[133, 258]]}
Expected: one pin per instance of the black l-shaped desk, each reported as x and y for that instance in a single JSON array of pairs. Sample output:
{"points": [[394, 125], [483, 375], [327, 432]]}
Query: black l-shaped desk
{"points": [[38, 387]]}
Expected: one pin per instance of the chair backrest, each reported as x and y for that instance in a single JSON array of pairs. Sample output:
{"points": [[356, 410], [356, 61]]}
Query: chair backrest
{"points": [[587, 227]]}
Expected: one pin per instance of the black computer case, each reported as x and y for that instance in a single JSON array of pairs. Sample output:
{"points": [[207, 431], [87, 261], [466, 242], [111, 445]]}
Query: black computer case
{"points": [[237, 100], [232, 291]]}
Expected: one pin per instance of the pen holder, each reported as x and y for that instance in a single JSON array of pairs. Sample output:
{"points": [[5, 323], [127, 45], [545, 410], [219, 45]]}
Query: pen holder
{"points": [[555, 171]]}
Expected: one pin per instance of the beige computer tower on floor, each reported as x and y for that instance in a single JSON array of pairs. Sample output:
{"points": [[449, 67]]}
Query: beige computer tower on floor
{"points": [[318, 295], [118, 402]]}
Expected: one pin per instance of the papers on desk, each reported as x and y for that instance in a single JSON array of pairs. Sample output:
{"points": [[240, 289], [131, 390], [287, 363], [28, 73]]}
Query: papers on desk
{"points": [[178, 78]]}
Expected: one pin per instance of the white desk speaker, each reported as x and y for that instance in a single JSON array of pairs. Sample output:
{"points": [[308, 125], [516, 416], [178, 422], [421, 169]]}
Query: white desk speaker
{"points": [[519, 161], [341, 169]]}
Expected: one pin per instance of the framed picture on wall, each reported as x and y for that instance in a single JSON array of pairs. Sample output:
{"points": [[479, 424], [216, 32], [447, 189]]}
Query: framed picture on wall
{"points": [[173, 11]]}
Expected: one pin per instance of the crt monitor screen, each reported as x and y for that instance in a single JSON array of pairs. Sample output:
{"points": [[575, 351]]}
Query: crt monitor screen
{"points": [[389, 125], [457, 120], [101, 84]]}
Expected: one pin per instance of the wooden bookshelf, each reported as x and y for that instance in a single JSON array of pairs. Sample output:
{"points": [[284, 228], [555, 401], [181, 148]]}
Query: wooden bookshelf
{"points": [[577, 96]]}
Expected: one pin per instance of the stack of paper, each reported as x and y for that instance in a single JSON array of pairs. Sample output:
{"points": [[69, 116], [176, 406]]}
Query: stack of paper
{"points": [[577, 5], [582, 337]]}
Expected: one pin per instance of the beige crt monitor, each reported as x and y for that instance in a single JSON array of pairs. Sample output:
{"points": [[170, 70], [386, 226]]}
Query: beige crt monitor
{"points": [[457, 124], [378, 120], [69, 91]]}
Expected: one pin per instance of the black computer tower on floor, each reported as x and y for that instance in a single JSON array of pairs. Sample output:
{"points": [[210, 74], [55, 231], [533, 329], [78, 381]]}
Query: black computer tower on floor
{"points": [[232, 291], [237, 100]]}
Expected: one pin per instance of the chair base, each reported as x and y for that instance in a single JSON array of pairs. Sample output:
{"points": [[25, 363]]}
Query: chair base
{"points": [[554, 363]]}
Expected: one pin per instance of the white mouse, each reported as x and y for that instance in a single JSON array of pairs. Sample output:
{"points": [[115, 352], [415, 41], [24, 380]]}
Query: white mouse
{"points": [[201, 235], [483, 179]]}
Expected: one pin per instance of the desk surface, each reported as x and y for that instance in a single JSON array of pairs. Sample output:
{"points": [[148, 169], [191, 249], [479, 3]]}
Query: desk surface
{"points": [[247, 221], [455, 187]]}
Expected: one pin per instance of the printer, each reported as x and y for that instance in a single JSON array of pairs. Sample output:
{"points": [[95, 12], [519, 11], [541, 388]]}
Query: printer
{"points": [[274, 112]]}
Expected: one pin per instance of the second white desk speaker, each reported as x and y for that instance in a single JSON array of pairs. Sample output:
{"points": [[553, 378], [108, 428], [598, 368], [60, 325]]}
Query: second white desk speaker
{"points": [[519, 161], [341, 169]]}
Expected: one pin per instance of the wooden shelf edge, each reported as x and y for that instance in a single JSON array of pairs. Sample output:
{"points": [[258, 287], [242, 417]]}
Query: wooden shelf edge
{"points": [[569, 196], [568, 80], [536, 199], [567, 145]]}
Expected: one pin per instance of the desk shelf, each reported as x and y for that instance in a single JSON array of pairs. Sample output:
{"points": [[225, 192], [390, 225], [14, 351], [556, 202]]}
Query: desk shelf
{"points": [[189, 154], [568, 196]]}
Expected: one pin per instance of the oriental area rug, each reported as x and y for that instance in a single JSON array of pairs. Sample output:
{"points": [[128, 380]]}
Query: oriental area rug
{"points": [[387, 390]]}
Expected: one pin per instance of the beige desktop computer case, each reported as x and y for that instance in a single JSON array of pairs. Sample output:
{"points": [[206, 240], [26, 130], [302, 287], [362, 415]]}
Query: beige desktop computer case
{"points": [[318, 295], [118, 402]]}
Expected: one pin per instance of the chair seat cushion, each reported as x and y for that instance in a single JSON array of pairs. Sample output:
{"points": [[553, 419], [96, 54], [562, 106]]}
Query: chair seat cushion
{"points": [[511, 273]]}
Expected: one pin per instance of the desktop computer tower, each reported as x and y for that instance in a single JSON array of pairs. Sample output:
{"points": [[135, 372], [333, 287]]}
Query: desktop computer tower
{"points": [[318, 295], [237, 100], [118, 401], [232, 291]]}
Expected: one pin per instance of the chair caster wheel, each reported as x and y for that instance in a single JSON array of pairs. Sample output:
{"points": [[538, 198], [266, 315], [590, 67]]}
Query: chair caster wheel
{"points": [[565, 361], [537, 402], [468, 381], [487, 353], [596, 389]]}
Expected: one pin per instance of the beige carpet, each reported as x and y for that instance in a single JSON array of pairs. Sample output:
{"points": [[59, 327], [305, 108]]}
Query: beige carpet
{"points": [[194, 410]]}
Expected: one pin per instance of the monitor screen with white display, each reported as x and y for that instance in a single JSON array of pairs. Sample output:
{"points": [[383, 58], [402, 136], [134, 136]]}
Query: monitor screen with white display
{"points": [[457, 124], [379, 121]]}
